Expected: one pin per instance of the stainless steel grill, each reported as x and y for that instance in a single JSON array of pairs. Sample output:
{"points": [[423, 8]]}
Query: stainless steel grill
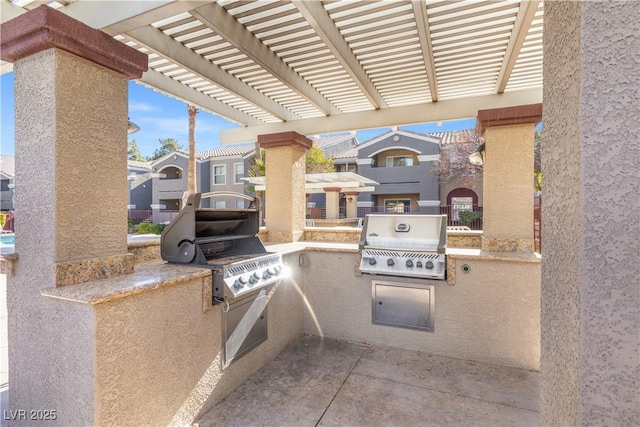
{"points": [[225, 241], [404, 245]]}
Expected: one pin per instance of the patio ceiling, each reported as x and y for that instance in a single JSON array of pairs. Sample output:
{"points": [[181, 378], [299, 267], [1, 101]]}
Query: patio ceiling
{"points": [[327, 66]]}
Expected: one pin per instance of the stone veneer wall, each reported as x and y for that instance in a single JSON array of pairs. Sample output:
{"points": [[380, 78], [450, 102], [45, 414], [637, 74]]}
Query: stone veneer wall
{"points": [[590, 152]]}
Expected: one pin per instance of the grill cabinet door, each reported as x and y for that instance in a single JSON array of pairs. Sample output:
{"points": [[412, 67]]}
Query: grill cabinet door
{"points": [[404, 305], [245, 326]]}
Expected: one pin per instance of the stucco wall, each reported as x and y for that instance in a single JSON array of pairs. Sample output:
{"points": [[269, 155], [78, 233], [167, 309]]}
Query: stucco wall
{"points": [[508, 182], [158, 354], [491, 314], [47, 371], [590, 152]]}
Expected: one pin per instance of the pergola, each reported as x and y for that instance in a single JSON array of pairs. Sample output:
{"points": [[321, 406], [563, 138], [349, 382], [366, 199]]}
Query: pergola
{"points": [[288, 69], [318, 67]]}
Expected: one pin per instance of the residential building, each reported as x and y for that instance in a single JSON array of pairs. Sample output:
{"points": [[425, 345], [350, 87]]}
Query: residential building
{"points": [[156, 188], [417, 172], [428, 173], [7, 174]]}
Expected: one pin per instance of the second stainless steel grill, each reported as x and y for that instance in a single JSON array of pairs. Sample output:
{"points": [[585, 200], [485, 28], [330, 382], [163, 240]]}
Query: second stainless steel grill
{"points": [[404, 245]]}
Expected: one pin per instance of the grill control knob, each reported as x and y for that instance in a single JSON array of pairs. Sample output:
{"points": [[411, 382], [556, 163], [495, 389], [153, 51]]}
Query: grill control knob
{"points": [[390, 262], [428, 265], [278, 269], [254, 278], [372, 261], [271, 271], [419, 264], [265, 274], [409, 263], [237, 285], [242, 280]]}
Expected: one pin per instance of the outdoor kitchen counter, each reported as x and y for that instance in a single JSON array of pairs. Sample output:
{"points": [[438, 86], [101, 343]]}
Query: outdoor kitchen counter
{"points": [[146, 277], [151, 275]]}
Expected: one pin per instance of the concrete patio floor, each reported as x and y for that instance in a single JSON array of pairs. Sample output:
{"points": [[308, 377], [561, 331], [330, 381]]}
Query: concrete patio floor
{"points": [[329, 382]]}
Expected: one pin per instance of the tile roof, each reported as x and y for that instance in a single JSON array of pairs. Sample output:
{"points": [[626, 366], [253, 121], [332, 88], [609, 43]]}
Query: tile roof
{"points": [[136, 164], [229, 150], [449, 137], [456, 136], [327, 141]]}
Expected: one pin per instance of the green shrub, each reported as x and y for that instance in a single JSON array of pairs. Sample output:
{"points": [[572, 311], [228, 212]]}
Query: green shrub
{"points": [[467, 217], [150, 228], [144, 228], [3, 219], [157, 228]]}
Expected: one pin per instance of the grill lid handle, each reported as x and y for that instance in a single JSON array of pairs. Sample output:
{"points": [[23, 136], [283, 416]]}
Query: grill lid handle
{"points": [[252, 200]]}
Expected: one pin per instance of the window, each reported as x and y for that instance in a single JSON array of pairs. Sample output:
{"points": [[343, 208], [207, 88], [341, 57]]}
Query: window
{"points": [[219, 175], [170, 204], [397, 205], [220, 204], [460, 204], [398, 161], [238, 173], [239, 204]]}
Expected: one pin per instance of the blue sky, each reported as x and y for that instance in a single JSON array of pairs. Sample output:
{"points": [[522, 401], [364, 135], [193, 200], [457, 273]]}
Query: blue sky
{"points": [[160, 116]]}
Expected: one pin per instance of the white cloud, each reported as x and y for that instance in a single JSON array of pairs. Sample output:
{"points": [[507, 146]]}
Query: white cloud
{"points": [[141, 106]]}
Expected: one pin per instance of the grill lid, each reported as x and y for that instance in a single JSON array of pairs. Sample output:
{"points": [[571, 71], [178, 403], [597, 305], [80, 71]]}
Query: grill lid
{"points": [[405, 232], [197, 235]]}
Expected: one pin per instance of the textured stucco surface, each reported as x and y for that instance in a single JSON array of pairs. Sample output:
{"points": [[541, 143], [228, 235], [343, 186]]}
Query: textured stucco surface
{"points": [[62, 139], [90, 130], [491, 314], [285, 207], [508, 182], [158, 355], [590, 153]]}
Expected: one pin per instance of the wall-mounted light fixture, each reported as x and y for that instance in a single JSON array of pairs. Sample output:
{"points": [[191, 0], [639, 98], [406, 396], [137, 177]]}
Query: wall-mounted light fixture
{"points": [[477, 158], [132, 128]]}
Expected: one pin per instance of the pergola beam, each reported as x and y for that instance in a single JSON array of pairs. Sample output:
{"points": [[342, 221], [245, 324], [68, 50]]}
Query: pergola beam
{"points": [[325, 28], [424, 34], [165, 46], [219, 20], [118, 17], [463, 108], [521, 26], [178, 90], [9, 11]]}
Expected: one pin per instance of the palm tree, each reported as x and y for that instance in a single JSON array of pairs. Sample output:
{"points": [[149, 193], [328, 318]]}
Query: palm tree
{"points": [[191, 174]]}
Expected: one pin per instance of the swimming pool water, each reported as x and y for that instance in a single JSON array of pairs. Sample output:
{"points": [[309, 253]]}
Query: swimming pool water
{"points": [[7, 241]]}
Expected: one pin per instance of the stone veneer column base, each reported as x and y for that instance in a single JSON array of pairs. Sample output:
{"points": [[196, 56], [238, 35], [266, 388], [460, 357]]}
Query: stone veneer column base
{"points": [[86, 270], [508, 245], [282, 236]]}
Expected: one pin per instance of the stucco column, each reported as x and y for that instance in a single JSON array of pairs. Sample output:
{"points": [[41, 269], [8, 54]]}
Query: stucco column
{"points": [[285, 185], [591, 181], [352, 204], [71, 198], [332, 204], [507, 220]]}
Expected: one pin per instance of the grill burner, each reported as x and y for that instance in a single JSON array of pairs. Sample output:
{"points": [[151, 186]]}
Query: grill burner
{"points": [[404, 245], [225, 241]]}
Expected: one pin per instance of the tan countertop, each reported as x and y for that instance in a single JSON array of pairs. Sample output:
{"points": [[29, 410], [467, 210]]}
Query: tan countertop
{"points": [[146, 276]]}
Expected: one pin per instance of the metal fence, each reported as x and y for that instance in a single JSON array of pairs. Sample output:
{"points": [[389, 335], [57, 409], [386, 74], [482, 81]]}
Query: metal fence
{"points": [[148, 215]]}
